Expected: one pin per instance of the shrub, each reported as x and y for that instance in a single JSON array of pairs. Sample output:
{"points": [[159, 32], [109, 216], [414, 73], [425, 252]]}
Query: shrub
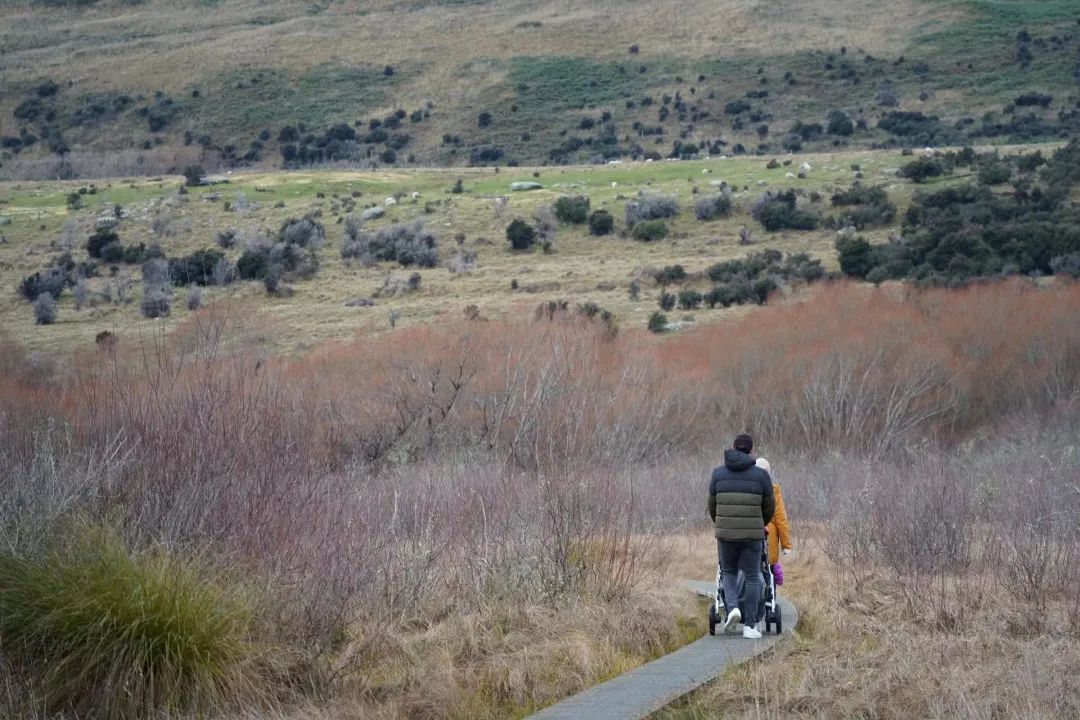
{"points": [[303, 232], [777, 211], [51, 280], [651, 207], [226, 239], [156, 301], [193, 175], [1033, 98], [667, 301], [670, 275], [135, 254], [856, 256], [922, 169], [97, 242], [113, 252], [690, 299], [1066, 265], [712, 207], [573, 209], [601, 222], [44, 314], [253, 264], [650, 230], [995, 173], [658, 322], [840, 124], [484, 119], [196, 268], [155, 271], [521, 234], [735, 107], [864, 206], [406, 243], [88, 617], [194, 297]]}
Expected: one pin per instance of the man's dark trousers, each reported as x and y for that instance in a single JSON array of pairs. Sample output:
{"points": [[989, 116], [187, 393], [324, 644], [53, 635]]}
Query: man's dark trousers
{"points": [[744, 555]]}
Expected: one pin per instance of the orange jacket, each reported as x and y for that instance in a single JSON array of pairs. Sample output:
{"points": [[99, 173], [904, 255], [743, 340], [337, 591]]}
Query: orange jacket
{"points": [[779, 532]]}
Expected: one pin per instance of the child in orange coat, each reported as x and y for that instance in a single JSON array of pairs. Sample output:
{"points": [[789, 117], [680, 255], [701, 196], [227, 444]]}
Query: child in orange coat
{"points": [[779, 532]]}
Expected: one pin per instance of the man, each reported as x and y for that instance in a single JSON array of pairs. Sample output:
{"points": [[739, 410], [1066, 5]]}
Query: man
{"points": [[741, 504]]}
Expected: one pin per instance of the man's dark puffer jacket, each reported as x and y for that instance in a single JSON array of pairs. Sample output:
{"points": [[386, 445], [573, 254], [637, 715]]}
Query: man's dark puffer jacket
{"points": [[741, 499]]}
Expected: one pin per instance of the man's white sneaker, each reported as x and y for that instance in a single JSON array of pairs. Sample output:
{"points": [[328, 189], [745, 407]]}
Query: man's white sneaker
{"points": [[733, 618], [750, 632]]}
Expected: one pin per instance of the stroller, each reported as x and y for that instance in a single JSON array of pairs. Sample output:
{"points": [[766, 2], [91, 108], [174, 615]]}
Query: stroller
{"points": [[769, 611]]}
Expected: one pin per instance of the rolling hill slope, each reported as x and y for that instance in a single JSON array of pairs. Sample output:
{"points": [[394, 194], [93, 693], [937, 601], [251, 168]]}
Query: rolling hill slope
{"points": [[112, 88]]}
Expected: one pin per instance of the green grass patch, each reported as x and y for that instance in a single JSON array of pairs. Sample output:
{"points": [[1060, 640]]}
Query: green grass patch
{"points": [[272, 99], [549, 84]]}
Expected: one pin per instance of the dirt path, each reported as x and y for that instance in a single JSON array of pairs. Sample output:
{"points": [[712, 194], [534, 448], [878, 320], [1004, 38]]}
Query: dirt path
{"points": [[650, 687]]}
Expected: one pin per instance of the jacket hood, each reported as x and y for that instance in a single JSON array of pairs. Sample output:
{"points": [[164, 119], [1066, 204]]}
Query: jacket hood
{"points": [[737, 460]]}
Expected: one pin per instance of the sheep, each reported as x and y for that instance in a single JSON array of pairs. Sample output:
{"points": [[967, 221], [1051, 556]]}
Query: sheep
{"points": [[390, 201], [806, 167]]}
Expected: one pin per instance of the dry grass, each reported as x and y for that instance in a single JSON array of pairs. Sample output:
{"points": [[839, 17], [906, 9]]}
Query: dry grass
{"points": [[864, 652], [584, 268], [507, 660], [123, 47]]}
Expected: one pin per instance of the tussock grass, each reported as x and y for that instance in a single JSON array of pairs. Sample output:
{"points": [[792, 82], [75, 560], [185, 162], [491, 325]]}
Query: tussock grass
{"points": [[111, 634]]}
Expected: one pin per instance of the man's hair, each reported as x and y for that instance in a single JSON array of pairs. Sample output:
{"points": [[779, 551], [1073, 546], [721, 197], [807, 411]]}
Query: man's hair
{"points": [[743, 443]]}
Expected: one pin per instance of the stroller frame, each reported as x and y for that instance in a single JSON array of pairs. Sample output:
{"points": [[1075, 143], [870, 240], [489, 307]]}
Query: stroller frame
{"points": [[769, 610]]}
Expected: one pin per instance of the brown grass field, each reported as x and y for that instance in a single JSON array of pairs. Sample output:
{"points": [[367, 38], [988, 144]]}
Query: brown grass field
{"points": [[582, 268]]}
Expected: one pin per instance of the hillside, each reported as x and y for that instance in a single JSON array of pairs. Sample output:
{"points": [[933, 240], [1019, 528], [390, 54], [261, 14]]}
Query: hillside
{"points": [[302, 257], [113, 88]]}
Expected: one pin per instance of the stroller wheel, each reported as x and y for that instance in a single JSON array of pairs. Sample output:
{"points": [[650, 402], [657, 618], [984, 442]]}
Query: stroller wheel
{"points": [[712, 619], [779, 621]]}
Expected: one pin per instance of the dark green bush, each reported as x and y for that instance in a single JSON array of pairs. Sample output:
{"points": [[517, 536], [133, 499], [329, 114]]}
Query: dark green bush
{"points": [[922, 169], [521, 234], [113, 252], [658, 322], [253, 264], [196, 268], [193, 175], [667, 301], [995, 173], [670, 275], [52, 280], [601, 222], [97, 242], [778, 211], [840, 124], [650, 230], [856, 256], [573, 209], [690, 299]]}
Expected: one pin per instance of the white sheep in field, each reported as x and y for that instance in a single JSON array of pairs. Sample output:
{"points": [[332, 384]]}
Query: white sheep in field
{"points": [[790, 175], [416, 196], [705, 171], [390, 201], [806, 167]]}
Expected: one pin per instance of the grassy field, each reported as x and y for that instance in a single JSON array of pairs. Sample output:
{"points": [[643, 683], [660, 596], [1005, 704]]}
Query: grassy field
{"points": [[581, 269], [537, 68]]}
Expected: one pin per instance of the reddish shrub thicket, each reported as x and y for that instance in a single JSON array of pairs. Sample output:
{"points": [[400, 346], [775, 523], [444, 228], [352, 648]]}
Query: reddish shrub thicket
{"points": [[493, 454], [863, 369]]}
